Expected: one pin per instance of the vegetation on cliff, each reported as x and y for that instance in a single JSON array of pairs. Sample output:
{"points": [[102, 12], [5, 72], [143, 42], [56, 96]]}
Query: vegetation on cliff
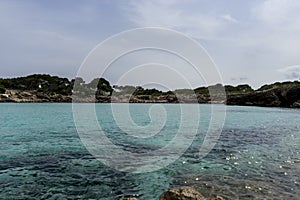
{"points": [[2, 89], [286, 84], [39, 82]]}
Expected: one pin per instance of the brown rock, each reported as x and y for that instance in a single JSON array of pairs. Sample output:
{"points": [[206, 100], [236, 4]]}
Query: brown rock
{"points": [[296, 104], [26, 94], [219, 198], [182, 193]]}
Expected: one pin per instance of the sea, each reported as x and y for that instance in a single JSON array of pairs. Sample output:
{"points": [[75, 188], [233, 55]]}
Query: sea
{"points": [[44, 153]]}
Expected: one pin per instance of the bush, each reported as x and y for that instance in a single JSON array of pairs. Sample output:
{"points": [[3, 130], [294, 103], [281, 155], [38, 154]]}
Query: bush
{"points": [[238, 89], [2, 89]]}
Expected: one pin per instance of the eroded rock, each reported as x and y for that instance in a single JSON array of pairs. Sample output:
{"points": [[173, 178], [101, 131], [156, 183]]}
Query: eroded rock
{"points": [[182, 193]]}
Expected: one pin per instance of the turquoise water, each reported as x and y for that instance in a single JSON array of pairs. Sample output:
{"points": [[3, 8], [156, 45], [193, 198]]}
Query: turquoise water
{"points": [[41, 156]]}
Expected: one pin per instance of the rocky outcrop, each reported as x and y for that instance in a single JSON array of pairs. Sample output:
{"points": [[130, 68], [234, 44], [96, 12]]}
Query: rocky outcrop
{"points": [[275, 97], [32, 96], [183, 193]]}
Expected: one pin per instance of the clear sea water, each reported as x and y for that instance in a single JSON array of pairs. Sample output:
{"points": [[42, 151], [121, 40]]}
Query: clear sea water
{"points": [[42, 157]]}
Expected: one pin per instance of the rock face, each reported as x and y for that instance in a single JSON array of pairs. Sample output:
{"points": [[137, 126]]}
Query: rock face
{"points": [[32, 96], [275, 97], [35, 96], [183, 193]]}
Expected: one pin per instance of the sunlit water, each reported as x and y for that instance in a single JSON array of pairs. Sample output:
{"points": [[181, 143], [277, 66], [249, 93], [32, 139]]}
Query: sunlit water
{"points": [[41, 156]]}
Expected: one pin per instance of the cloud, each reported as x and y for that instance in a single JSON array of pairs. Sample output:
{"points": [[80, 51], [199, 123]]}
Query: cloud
{"points": [[239, 79], [243, 78], [51, 36], [181, 16], [229, 18], [250, 37], [291, 72], [274, 29], [243, 37], [275, 12]]}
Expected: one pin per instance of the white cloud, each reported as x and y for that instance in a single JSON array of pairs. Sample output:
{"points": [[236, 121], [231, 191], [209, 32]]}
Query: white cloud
{"points": [[245, 38], [230, 18], [291, 72], [179, 15], [251, 39], [36, 38], [278, 11], [278, 28]]}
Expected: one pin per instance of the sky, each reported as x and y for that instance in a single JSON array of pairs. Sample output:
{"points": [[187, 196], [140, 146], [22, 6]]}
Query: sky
{"points": [[254, 42]]}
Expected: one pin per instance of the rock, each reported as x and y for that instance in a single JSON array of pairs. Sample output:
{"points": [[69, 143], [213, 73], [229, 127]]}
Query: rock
{"points": [[130, 198], [219, 198], [26, 94], [103, 99], [4, 96], [268, 98], [182, 193], [293, 95], [275, 97], [296, 104], [41, 95]]}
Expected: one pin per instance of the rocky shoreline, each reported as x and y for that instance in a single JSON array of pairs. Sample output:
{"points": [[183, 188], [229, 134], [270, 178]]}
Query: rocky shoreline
{"points": [[45, 88], [276, 97]]}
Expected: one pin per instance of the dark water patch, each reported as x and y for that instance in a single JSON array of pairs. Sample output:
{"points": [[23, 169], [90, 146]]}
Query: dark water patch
{"points": [[41, 161]]}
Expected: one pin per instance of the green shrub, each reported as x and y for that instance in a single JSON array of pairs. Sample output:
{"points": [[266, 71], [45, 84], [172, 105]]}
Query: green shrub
{"points": [[238, 89], [2, 89]]}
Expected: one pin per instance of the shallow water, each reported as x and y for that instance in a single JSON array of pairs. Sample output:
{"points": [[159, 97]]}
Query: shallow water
{"points": [[41, 156]]}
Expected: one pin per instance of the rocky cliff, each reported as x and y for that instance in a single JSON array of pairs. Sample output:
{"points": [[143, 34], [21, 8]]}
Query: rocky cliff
{"points": [[284, 96]]}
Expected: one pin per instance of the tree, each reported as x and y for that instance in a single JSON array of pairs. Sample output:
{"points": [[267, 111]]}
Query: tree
{"points": [[104, 86], [201, 90], [238, 89]]}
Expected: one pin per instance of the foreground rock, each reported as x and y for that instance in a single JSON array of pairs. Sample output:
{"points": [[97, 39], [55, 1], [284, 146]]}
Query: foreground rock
{"points": [[183, 193]]}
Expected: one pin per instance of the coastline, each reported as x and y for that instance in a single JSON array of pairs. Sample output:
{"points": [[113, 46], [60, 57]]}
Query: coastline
{"points": [[41, 88], [279, 97]]}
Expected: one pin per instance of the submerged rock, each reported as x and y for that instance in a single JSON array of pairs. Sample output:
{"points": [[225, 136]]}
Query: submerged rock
{"points": [[183, 193]]}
